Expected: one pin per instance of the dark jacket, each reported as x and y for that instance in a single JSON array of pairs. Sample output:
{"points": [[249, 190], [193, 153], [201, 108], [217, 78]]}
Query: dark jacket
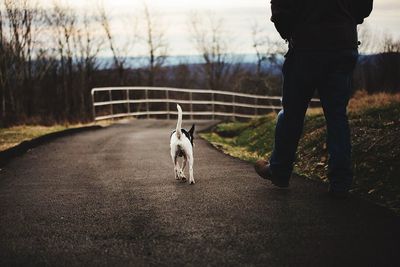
{"points": [[320, 24]]}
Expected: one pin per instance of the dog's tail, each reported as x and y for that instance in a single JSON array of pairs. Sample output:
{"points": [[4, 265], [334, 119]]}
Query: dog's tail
{"points": [[179, 124]]}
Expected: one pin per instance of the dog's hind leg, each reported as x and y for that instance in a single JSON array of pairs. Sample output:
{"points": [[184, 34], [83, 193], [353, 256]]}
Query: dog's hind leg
{"points": [[184, 163], [191, 178], [176, 166], [178, 171]]}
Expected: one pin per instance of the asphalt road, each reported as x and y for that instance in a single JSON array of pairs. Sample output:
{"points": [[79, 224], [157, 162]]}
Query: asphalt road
{"points": [[109, 197]]}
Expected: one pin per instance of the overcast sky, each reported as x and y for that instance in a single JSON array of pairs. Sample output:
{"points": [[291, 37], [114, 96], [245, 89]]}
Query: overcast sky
{"points": [[238, 17]]}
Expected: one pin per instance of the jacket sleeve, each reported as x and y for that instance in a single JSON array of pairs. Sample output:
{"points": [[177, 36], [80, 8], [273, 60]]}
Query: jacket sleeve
{"points": [[360, 9], [282, 17]]}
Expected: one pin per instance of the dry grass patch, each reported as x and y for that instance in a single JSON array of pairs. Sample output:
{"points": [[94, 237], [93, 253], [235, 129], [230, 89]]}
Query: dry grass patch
{"points": [[12, 136], [362, 100]]}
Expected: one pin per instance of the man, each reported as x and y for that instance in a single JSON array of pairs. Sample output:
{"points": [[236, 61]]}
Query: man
{"points": [[322, 37]]}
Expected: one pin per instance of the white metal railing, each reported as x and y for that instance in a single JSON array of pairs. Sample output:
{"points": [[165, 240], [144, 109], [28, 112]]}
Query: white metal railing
{"points": [[213, 103]]}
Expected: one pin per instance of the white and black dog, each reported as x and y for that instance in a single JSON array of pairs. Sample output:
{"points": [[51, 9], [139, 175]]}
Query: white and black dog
{"points": [[182, 146]]}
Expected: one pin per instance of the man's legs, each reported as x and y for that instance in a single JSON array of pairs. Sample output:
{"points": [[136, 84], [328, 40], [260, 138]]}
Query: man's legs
{"points": [[334, 94], [297, 92], [331, 73]]}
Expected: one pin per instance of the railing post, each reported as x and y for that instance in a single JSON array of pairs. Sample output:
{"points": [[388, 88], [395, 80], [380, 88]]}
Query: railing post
{"points": [[213, 106], [191, 105], [256, 109], [234, 107], [147, 103], [111, 105], [128, 101], [93, 107], [167, 96]]}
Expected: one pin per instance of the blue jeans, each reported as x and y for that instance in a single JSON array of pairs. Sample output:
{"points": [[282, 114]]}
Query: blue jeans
{"points": [[330, 73]]}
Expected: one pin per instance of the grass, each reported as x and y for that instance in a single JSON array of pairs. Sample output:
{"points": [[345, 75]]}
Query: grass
{"points": [[375, 125], [12, 136]]}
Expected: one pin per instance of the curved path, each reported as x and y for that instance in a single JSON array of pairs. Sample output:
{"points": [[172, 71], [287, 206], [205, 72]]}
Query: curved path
{"points": [[108, 197]]}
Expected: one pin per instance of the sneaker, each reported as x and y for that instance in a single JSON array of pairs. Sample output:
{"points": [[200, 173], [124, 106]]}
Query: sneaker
{"points": [[264, 171]]}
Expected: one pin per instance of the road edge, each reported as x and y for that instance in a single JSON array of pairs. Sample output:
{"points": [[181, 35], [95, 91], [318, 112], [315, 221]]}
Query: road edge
{"points": [[21, 148]]}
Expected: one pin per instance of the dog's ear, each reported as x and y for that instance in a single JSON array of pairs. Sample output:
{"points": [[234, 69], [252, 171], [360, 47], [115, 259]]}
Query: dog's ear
{"points": [[191, 131]]}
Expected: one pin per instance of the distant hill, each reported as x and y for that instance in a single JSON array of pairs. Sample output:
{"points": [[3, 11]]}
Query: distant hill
{"points": [[246, 60]]}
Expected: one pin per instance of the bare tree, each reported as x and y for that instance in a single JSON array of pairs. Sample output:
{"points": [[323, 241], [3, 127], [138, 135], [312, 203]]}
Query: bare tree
{"points": [[259, 43], [62, 19], [87, 47], [208, 36], [269, 59], [156, 44], [389, 64], [368, 39], [266, 49], [380, 71], [390, 45], [3, 67], [17, 46], [119, 54]]}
